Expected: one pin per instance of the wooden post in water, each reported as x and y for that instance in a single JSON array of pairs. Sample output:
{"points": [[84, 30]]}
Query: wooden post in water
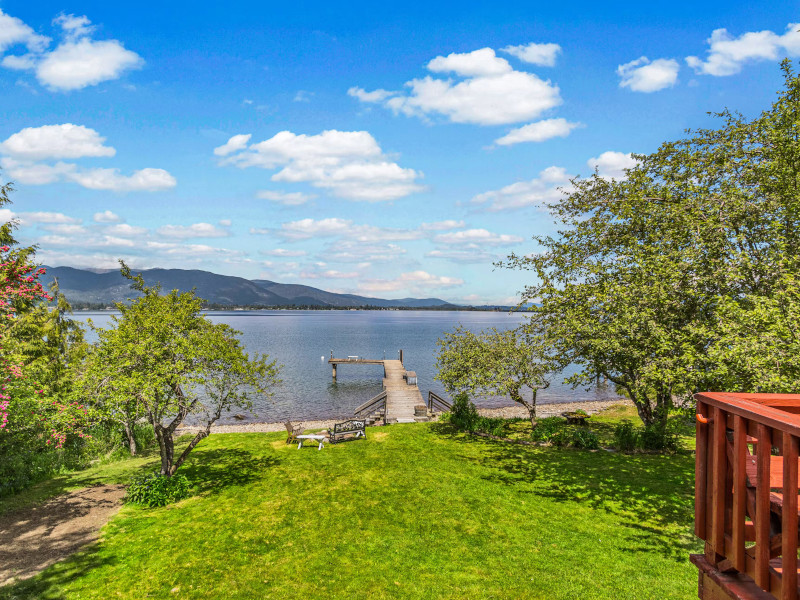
{"points": [[334, 371], [401, 356]]}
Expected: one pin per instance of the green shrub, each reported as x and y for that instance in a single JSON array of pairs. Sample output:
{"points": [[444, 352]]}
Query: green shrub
{"points": [[464, 415], [626, 439], [585, 438], [493, 426], [653, 437], [658, 437], [158, 490], [547, 429], [26, 459]]}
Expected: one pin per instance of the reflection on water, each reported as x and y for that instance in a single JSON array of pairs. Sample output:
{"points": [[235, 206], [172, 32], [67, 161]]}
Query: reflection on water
{"points": [[302, 342]]}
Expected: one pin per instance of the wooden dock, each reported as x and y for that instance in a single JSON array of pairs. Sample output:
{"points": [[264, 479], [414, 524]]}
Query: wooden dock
{"points": [[400, 397]]}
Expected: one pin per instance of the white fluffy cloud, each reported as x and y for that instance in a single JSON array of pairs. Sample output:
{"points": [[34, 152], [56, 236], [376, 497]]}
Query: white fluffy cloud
{"points": [[23, 153], [50, 218], [66, 229], [56, 141], [491, 92], [143, 180], [124, 230], [35, 173], [370, 97], [304, 229], [727, 54], [107, 217], [13, 31], [236, 143], [349, 164], [477, 236], [642, 75], [285, 198], [442, 225], [539, 192], [328, 274], [308, 228], [473, 255], [543, 55], [197, 230], [612, 165], [413, 280], [85, 62], [351, 251], [74, 27], [551, 184], [479, 63], [284, 253], [78, 61], [539, 131]]}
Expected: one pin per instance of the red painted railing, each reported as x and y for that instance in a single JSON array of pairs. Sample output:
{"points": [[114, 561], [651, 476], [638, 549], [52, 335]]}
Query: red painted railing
{"points": [[746, 489]]}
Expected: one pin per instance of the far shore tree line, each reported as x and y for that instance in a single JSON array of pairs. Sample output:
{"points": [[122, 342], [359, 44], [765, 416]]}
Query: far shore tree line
{"points": [[216, 306], [682, 277]]}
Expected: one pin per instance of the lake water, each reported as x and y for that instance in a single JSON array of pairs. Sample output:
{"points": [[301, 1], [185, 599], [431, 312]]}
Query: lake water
{"points": [[302, 342]]}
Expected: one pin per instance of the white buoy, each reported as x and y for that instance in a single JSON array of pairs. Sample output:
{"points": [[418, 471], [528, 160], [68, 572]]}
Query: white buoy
{"points": [[322, 358]]}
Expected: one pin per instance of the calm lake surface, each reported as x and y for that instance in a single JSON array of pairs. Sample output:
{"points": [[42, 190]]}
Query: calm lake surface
{"points": [[302, 342]]}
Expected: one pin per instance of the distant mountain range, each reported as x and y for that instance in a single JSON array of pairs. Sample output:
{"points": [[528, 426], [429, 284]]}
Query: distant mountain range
{"points": [[83, 287]]}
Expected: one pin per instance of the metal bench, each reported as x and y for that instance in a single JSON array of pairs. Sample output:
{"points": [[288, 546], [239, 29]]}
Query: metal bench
{"points": [[351, 427]]}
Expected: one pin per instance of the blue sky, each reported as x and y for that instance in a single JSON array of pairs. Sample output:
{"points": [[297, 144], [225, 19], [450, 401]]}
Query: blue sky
{"points": [[384, 150]]}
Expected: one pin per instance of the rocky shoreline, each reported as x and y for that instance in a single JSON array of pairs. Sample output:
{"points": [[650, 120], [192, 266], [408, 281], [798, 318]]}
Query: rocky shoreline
{"points": [[551, 410], [506, 412]]}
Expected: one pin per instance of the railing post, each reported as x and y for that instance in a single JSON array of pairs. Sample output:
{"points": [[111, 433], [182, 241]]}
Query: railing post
{"points": [[789, 519], [763, 453], [700, 472], [739, 492], [718, 491]]}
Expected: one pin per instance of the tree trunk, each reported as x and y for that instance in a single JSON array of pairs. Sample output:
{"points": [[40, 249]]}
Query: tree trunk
{"points": [[645, 411], [129, 428], [201, 435], [167, 449], [531, 406]]}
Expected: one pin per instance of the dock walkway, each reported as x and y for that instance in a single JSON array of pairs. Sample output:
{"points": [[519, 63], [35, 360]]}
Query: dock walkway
{"points": [[401, 398]]}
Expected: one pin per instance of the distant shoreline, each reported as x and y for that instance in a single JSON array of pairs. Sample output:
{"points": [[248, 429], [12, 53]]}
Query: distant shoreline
{"points": [[80, 308]]}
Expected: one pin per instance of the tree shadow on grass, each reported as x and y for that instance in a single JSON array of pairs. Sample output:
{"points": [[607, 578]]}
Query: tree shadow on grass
{"points": [[213, 470], [49, 584], [651, 495]]}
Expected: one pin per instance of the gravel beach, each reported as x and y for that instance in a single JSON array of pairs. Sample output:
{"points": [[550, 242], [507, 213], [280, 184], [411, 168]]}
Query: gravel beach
{"points": [[507, 412]]}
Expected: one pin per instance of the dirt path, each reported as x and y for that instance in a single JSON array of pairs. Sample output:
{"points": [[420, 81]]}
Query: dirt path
{"points": [[35, 538]]}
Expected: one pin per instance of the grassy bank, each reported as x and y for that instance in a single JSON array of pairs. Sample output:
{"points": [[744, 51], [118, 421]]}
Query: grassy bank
{"points": [[415, 511]]}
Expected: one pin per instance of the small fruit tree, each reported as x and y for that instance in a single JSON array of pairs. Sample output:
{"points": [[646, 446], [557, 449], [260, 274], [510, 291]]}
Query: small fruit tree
{"points": [[164, 360]]}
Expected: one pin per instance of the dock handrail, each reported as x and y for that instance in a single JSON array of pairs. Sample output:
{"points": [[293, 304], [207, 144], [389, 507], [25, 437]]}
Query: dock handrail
{"points": [[436, 402], [372, 405], [746, 501]]}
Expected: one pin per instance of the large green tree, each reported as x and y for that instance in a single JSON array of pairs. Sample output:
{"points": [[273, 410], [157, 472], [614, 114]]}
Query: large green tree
{"points": [[494, 362], [164, 360], [646, 278]]}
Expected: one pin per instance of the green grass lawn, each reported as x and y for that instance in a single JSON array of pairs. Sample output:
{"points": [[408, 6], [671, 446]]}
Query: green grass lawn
{"points": [[413, 511]]}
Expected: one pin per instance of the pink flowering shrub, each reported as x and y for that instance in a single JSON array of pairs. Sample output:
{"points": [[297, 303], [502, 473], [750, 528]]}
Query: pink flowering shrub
{"points": [[37, 413]]}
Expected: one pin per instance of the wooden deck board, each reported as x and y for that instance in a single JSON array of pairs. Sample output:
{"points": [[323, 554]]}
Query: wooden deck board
{"points": [[401, 398]]}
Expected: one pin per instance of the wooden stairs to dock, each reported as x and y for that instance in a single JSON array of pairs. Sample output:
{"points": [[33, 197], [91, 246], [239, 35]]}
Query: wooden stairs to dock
{"points": [[400, 401]]}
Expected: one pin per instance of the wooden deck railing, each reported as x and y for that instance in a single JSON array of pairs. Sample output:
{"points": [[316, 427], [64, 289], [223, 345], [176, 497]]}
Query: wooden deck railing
{"points": [[746, 493], [437, 403]]}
